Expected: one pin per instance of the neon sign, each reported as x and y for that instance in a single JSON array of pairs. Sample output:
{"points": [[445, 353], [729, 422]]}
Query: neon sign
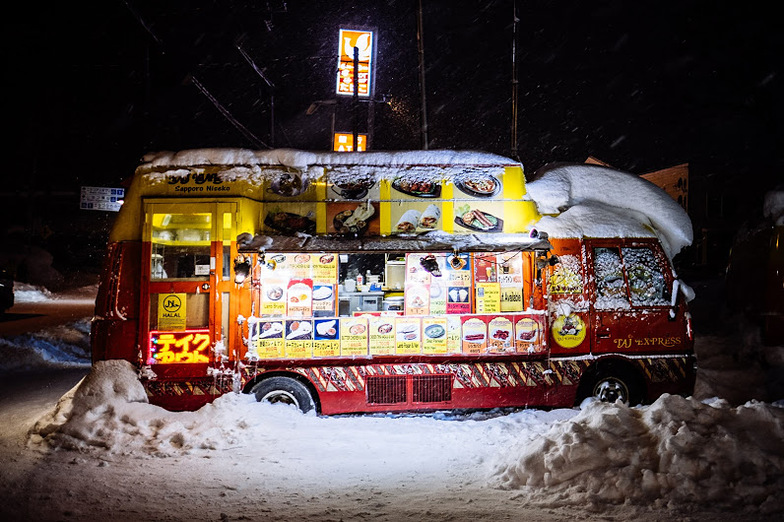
{"points": [[187, 347], [363, 41]]}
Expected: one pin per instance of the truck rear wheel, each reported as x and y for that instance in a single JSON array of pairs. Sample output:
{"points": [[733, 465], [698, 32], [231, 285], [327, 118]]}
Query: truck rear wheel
{"points": [[284, 390]]}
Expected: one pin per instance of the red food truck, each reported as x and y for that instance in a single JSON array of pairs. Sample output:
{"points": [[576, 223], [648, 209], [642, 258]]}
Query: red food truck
{"points": [[377, 282]]}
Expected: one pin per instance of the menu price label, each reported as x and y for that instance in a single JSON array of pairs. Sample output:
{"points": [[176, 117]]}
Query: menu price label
{"points": [[381, 335], [408, 335], [354, 336]]}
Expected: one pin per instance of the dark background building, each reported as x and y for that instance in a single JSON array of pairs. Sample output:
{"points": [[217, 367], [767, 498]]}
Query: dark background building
{"points": [[641, 86]]}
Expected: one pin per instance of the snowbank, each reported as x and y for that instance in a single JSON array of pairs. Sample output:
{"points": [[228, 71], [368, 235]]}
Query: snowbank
{"points": [[677, 453], [63, 346], [108, 409], [593, 201], [26, 293], [674, 452]]}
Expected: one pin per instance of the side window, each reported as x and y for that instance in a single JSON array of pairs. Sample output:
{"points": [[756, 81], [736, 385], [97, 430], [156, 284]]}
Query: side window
{"points": [[646, 280], [180, 246], [610, 285]]}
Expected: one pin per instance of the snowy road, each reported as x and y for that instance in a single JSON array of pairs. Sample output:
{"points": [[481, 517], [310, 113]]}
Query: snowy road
{"points": [[104, 454], [38, 311]]}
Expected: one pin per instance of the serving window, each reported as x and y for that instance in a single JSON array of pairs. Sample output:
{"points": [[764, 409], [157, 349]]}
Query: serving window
{"points": [[180, 246]]}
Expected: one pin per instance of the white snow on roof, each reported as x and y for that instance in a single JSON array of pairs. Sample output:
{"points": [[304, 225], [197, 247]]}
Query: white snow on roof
{"points": [[345, 167], [594, 201], [302, 159]]}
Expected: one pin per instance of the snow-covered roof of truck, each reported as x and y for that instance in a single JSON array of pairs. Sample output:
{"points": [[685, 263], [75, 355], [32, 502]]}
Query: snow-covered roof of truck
{"points": [[257, 166], [583, 200]]}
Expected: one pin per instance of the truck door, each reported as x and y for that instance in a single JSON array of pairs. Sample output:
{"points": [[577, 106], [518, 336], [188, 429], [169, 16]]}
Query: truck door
{"points": [[630, 305], [186, 284]]}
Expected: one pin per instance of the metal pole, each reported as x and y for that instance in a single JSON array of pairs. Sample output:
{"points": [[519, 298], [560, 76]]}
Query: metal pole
{"points": [[514, 81], [421, 49], [356, 101]]}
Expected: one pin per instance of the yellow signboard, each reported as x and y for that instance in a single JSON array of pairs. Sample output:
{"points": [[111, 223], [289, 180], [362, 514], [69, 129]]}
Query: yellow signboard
{"points": [[171, 312]]}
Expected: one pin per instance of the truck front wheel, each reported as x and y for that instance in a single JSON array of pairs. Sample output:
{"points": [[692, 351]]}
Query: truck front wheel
{"points": [[284, 390], [611, 389], [612, 384]]}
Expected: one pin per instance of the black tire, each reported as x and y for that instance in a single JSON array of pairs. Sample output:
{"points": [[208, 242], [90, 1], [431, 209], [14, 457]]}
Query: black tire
{"points": [[610, 386], [284, 390]]}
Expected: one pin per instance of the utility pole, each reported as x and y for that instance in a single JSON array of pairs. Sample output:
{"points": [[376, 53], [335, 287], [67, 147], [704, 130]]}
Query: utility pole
{"points": [[421, 49], [355, 108], [514, 151]]}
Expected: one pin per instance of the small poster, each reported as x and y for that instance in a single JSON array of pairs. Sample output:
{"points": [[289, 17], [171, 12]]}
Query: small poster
{"points": [[437, 296], [458, 300], [381, 335], [299, 265], [474, 335], [454, 334], [458, 270], [326, 338], [417, 298], [325, 269], [353, 336], [485, 269], [434, 335], [323, 300], [300, 298], [273, 297], [415, 272], [171, 312], [299, 339], [408, 335], [500, 335], [511, 298], [510, 277], [528, 336], [269, 341], [488, 298]]}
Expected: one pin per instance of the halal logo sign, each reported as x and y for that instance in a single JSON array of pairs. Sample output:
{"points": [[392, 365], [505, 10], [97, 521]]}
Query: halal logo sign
{"points": [[172, 304]]}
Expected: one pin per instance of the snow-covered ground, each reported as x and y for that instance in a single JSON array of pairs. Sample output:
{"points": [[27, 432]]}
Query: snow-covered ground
{"points": [[102, 452]]}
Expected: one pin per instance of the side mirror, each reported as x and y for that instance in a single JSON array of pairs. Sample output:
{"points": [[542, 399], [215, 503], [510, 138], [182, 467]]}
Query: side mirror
{"points": [[676, 289]]}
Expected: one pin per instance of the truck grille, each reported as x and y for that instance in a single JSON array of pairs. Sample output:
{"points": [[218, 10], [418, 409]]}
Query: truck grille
{"points": [[386, 389], [432, 388]]}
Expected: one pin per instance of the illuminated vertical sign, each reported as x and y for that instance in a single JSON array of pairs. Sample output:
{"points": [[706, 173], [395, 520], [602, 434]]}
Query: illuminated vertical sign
{"points": [[344, 142], [363, 40]]}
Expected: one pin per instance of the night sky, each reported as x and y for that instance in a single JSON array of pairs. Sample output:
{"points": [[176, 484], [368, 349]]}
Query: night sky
{"points": [[642, 85]]}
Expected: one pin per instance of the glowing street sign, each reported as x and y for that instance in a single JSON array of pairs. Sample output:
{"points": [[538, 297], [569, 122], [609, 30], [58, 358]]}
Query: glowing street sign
{"points": [[344, 142], [363, 40]]}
